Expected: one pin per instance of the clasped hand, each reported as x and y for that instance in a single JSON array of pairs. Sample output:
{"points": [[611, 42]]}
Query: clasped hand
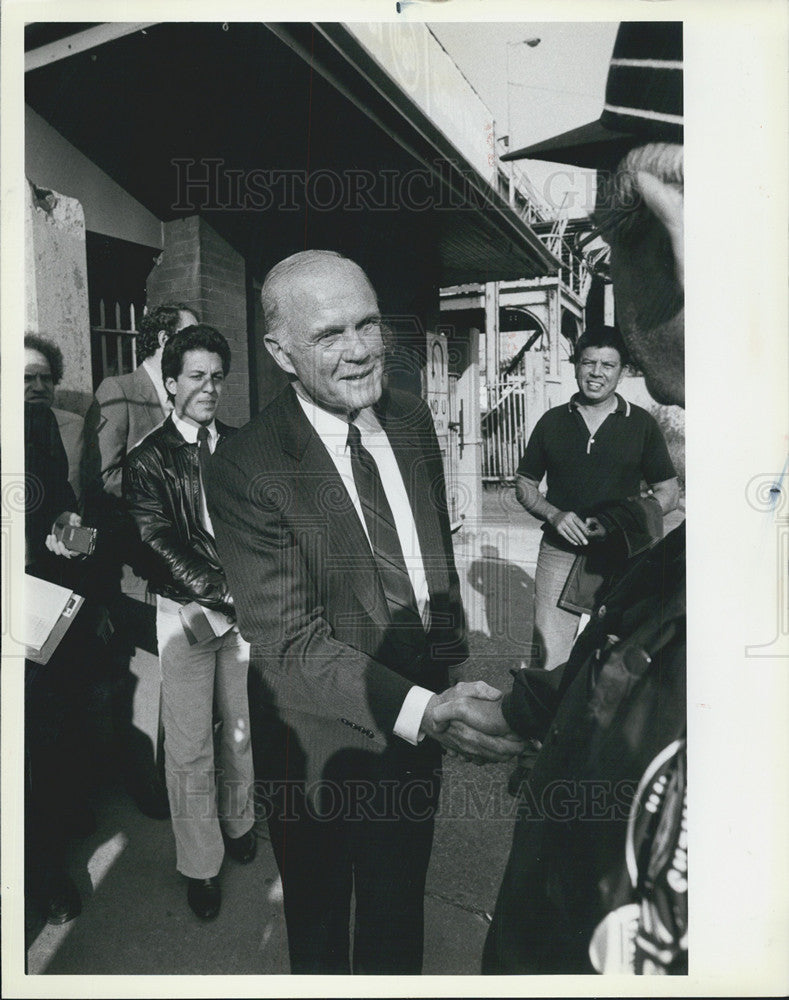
{"points": [[467, 720], [576, 529]]}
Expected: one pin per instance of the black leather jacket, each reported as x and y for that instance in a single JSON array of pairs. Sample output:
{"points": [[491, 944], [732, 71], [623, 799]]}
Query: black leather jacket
{"points": [[161, 486]]}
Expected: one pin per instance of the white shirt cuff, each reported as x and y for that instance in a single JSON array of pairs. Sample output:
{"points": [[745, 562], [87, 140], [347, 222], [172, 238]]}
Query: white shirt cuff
{"points": [[410, 718]]}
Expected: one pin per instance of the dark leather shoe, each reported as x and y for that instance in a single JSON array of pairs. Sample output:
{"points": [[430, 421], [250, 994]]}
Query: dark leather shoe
{"points": [[244, 848], [61, 902], [204, 896]]}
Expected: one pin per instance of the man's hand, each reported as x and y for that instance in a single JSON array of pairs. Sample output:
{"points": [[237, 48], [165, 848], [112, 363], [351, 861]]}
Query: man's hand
{"points": [[476, 713], [57, 546], [570, 526], [466, 719], [666, 202]]}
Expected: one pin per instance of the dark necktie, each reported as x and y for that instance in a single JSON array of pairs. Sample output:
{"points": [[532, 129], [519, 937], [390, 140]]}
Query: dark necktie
{"points": [[383, 534], [203, 451]]}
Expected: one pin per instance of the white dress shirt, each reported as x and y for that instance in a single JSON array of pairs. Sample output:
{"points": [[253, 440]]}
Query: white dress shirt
{"points": [[333, 432], [189, 433]]}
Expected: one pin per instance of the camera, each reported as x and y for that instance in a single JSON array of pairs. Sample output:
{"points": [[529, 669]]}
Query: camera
{"points": [[76, 537]]}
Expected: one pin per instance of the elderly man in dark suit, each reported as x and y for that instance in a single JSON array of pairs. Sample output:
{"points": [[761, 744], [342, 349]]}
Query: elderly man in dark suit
{"points": [[331, 524]]}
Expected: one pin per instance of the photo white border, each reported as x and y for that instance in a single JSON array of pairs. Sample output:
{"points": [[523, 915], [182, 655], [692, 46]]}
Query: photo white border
{"points": [[737, 365]]}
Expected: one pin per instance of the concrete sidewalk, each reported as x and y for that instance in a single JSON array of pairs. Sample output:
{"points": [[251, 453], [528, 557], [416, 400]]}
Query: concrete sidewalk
{"points": [[135, 920]]}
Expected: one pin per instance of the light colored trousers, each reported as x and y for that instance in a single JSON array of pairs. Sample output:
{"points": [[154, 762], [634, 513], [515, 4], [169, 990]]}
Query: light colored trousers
{"points": [[554, 628], [203, 791]]}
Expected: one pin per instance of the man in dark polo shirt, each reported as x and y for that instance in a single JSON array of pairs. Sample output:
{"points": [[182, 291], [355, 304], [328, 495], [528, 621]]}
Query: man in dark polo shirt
{"points": [[597, 878], [594, 450]]}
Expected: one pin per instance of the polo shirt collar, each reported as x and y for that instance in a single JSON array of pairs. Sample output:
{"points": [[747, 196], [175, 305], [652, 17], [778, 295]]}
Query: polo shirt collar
{"points": [[622, 405]]}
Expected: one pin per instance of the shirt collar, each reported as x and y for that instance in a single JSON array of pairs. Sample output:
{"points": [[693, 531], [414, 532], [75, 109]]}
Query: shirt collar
{"points": [[333, 429], [622, 405], [189, 431], [368, 422]]}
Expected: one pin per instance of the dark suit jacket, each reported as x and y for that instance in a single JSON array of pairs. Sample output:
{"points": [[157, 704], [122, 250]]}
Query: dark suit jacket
{"points": [[325, 658], [47, 490], [71, 427]]}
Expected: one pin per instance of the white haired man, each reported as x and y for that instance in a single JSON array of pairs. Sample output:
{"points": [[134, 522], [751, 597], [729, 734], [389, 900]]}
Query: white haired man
{"points": [[333, 531]]}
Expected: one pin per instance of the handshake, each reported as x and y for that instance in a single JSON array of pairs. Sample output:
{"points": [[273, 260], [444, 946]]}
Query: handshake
{"points": [[467, 720]]}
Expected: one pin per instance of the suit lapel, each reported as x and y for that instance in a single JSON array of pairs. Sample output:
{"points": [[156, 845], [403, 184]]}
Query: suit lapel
{"points": [[347, 544], [411, 460], [150, 395]]}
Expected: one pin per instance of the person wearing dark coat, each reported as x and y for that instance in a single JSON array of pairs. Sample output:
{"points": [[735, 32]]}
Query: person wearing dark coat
{"points": [[203, 658], [55, 692], [597, 876], [332, 527]]}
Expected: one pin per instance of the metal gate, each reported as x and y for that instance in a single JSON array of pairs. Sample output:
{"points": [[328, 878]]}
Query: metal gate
{"points": [[113, 339], [515, 403]]}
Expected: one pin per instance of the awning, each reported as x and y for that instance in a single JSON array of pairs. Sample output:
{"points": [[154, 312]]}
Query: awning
{"points": [[281, 136]]}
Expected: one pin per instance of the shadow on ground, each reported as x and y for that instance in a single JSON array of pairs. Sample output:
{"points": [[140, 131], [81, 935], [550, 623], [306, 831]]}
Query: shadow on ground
{"points": [[135, 919]]}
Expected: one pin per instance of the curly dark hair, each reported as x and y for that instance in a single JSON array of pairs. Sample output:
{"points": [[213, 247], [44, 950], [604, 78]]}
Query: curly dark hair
{"points": [[193, 338], [51, 352], [162, 317], [601, 336]]}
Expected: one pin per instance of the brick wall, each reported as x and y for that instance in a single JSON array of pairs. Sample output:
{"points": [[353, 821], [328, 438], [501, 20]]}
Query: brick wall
{"points": [[177, 275], [223, 304], [201, 269]]}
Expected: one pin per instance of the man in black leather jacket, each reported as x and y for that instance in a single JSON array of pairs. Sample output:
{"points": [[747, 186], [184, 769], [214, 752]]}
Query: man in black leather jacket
{"points": [[203, 658]]}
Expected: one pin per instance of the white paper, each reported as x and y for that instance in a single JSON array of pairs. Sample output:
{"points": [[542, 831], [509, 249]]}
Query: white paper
{"points": [[219, 623], [44, 604]]}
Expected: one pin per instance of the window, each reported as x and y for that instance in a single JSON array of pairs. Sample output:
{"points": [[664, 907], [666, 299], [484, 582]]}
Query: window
{"points": [[117, 274]]}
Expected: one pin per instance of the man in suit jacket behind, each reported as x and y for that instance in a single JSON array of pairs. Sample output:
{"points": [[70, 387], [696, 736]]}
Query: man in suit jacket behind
{"points": [[128, 407], [331, 524]]}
